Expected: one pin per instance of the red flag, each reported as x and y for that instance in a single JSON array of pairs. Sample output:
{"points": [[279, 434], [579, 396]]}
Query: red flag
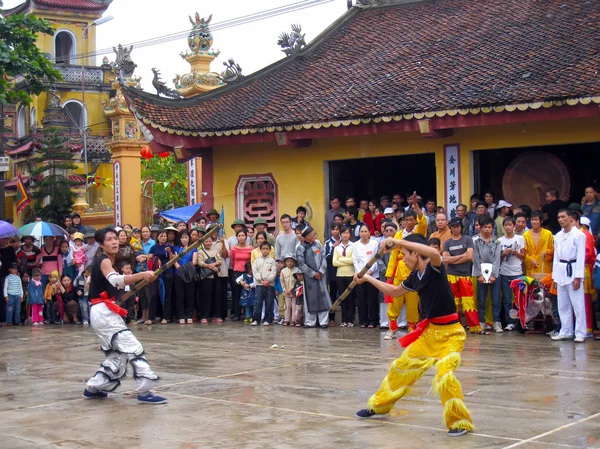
{"points": [[22, 197]]}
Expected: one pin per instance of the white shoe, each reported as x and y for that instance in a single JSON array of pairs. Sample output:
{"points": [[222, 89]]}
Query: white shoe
{"points": [[254, 323], [579, 339], [510, 327], [498, 327], [85, 323], [266, 324], [390, 335], [36, 324], [560, 337]]}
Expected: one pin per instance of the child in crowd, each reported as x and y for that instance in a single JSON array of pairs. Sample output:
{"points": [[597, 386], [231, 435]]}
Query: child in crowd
{"points": [[69, 266], [279, 305], [287, 284], [299, 294], [36, 298], [434, 243], [247, 297], [264, 270], [69, 300], [79, 252], [53, 298], [82, 287], [13, 294], [127, 269], [136, 239]]}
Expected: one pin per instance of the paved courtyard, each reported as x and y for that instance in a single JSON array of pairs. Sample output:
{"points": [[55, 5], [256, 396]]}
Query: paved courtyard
{"points": [[227, 387]]}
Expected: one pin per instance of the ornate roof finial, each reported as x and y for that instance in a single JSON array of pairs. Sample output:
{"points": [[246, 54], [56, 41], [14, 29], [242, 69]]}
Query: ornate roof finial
{"points": [[124, 65], [291, 43], [232, 73], [54, 100], [161, 87], [200, 38]]}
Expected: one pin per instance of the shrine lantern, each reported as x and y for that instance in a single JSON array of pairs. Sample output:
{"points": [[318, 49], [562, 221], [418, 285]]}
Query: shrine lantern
{"points": [[164, 154], [146, 152]]}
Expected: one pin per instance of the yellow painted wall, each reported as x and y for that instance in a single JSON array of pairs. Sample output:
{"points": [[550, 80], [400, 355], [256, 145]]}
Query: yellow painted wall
{"points": [[299, 172]]}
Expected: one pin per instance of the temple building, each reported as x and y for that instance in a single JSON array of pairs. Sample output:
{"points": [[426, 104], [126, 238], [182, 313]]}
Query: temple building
{"points": [[74, 104], [445, 97]]}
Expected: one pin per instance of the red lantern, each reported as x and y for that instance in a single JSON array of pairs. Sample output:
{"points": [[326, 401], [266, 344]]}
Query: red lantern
{"points": [[146, 152], [164, 154]]}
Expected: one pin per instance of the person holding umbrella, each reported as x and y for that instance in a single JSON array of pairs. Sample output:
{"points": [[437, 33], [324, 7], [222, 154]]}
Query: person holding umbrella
{"points": [[51, 259]]}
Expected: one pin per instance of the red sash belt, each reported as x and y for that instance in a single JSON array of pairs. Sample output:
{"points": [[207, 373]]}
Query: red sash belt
{"points": [[422, 325], [110, 303]]}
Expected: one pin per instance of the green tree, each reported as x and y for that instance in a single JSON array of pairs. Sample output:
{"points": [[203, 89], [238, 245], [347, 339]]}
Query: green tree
{"points": [[52, 190], [170, 189], [19, 55]]}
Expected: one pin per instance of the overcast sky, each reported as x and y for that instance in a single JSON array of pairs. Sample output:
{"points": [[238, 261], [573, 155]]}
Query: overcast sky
{"points": [[253, 46]]}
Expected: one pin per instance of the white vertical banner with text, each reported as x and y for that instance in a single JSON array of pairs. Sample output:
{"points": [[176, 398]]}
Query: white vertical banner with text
{"points": [[192, 176], [452, 178], [117, 186]]}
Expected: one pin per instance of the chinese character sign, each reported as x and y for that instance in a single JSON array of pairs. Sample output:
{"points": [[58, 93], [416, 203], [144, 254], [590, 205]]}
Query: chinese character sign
{"points": [[117, 179], [452, 178], [192, 184]]}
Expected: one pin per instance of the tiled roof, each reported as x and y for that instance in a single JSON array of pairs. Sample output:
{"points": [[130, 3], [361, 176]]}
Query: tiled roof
{"points": [[433, 57], [12, 184], [72, 4]]}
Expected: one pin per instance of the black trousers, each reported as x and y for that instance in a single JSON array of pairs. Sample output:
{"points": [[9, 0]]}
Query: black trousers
{"points": [[209, 305], [167, 278], [333, 291], [149, 299], [235, 297], [185, 293], [368, 304], [349, 304]]}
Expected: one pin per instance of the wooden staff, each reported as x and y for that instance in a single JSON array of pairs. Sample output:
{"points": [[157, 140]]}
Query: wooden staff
{"points": [[169, 264], [361, 273]]}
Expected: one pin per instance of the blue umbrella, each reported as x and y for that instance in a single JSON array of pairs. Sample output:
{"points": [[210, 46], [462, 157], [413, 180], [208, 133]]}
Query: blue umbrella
{"points": [[222, 221], [40, 229], [7, 230]]}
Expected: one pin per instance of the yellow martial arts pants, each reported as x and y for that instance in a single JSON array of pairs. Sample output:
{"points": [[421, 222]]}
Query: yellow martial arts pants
{"points": [[411, 299], [439, 345]]}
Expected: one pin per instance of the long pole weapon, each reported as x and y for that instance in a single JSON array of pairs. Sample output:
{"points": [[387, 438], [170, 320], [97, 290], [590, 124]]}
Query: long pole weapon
{"points": [[361, 273], [169, 264]]}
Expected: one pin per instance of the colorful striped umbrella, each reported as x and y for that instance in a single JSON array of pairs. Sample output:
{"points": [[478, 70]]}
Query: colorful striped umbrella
{"points": [[7, 230], [40, 229]]}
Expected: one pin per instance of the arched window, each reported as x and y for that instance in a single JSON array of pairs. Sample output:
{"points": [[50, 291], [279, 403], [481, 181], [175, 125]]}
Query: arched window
{"points": [[21, 123], [64, 47], [77, 115], [32, 119], [256, 197]]}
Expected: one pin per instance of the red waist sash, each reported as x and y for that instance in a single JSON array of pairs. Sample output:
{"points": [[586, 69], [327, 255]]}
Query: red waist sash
{"points": [[110, 303], [422, 325]]}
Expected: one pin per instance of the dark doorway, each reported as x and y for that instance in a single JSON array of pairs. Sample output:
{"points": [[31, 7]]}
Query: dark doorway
{"points": [[377, 176], [580, 161]]}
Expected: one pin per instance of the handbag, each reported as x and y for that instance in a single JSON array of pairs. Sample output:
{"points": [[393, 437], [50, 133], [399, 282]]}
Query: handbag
{"points": [[206, 272]]}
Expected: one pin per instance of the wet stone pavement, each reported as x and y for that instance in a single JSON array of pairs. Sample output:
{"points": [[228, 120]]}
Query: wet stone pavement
{"points": [[228, 388]]}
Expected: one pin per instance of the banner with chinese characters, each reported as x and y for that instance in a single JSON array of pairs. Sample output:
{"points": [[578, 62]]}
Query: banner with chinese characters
{"points": [[452, 178], [194, 196], [117, 178]]}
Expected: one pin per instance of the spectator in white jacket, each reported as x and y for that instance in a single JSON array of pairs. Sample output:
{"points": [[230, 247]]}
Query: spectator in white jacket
{"points": [[366, 297]]}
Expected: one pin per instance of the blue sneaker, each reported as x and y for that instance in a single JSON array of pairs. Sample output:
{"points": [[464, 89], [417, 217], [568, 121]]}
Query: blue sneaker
{"points": [[457, 432], [365, 413], [96, 395], [151, 398]]}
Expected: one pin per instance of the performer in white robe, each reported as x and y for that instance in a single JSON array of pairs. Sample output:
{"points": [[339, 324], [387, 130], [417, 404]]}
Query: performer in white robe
{"points": [[313, 265], [568, 274], [117, 341]]}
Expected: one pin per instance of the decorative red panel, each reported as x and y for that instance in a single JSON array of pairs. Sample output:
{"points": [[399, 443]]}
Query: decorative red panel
{"points": [[260, 201]]}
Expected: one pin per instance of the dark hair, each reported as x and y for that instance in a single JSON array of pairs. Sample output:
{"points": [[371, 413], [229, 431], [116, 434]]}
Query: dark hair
{"points": [[486, 220], [181, 234], [481, 203], [338, 215], [65, 276], [159, 233], [352, 211], [410, 213], [335, 225], [488, 192], [284, 216], [100, 234], [591, 187], [265, 243], [242, 231], [434, 241], [122, 230], [526, 210], [575, 215], [475, 197], [463, 205], [72, 230], [124, 264], [350, 197], [335, 198], [509, 220], [180, 222], [538, 214], [416, 238], [344, 229], [145, 226], [553, 192], [248, 266], [431, 200], [301, 209], [364, 226], [519, 215], [263, 233]]}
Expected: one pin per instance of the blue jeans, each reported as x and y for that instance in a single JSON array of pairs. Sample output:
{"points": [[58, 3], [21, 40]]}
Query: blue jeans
{"points": [[482, 292], [266, 295], [13, 309], [507, 296], [84, 308], [248, 311]]}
